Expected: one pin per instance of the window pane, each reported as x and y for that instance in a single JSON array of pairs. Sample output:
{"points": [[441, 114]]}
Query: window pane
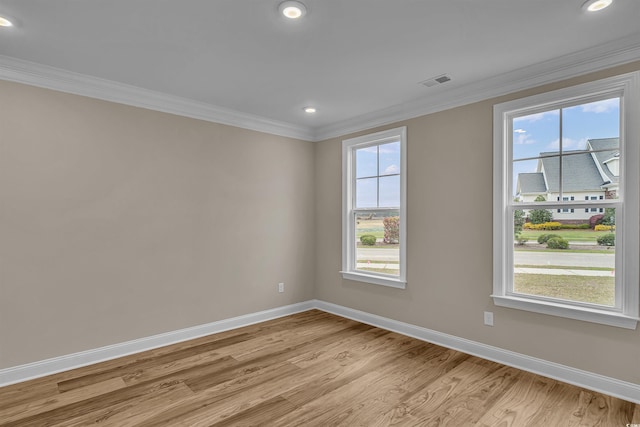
{"points": [[528, 181], [367, 162], [535, 134], [536, 180], [367, 193], [389, 191], [390, 158], [575, 265], [580, 176], [594, 120], [381, 255]]}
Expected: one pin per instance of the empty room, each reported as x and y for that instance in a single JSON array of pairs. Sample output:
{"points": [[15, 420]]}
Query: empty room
{"points": [[319, 212]]}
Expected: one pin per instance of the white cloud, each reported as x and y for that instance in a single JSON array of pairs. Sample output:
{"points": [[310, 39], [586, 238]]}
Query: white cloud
{"points": [[605, 106], [391, 169], [568, 144], [373, 149], [536, 117], [523, 139], [520, 131]]}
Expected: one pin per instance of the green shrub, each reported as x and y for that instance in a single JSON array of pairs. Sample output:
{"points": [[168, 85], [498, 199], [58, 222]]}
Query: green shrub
{"points": [[368, 239], [557, 243], [575, 226], [539, 216], [607, 240], [609, 217], [543, 238]]}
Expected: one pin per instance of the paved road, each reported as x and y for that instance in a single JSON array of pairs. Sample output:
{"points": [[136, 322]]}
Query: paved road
{"points": [[520, 257], [378, 254], [566, 259]]}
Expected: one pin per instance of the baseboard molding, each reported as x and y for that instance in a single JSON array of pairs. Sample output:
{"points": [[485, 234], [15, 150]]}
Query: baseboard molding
{"points": [[611, 386], [76, 360], [600, 383]]}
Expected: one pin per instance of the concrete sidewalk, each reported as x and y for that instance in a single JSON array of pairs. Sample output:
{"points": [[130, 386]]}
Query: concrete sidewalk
{"points": [[564, 272], [517, 270]]}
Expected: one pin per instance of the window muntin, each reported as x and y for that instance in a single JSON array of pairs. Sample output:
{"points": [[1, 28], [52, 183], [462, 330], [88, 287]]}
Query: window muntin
{"points": [[374, 193], [551, 155]]}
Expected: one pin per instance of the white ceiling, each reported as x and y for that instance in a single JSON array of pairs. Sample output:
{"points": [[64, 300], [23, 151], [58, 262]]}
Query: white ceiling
{"points": [[358, 61]]}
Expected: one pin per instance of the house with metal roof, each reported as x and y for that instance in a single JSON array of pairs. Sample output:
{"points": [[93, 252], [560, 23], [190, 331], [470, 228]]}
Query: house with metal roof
{"points": [[588, 174]]}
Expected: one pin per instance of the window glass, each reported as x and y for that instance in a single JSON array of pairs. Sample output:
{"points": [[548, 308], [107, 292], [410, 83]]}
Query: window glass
{"points": [[575, 255]]}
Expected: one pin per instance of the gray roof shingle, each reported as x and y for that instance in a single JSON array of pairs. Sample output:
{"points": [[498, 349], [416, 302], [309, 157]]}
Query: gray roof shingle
{"points": [[579, 169], [612, 145], [579, 172], [531, 183]]}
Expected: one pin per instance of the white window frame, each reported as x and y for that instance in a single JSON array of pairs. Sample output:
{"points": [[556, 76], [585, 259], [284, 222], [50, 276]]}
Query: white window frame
{"points": [[626, 310], [349, 256]]}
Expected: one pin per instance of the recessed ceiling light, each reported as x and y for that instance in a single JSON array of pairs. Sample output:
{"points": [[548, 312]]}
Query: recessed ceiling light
{"points": [[309, 110], [292, 9], [596, 5], [5, 22]]}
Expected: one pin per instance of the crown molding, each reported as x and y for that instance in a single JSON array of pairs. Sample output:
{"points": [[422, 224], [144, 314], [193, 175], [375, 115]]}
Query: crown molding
{"points": [[590, 60], [593, 59], [30, 73]]}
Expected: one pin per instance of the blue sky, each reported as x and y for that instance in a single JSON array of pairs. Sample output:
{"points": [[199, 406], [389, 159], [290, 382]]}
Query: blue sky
{"points": [[378, 176], [537, 133]]}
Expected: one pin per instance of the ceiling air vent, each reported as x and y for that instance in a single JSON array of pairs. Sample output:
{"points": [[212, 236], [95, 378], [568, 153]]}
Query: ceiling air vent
{"points": [[436, 80]]}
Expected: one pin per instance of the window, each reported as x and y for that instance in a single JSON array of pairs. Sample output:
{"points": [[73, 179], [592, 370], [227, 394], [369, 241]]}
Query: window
{"points": [[374, 208], [601, 197], [560, 158]]}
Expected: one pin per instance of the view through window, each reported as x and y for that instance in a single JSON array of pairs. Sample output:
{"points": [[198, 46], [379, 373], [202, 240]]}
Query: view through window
{"points": [[561, 157], [374, 208], [377, 208]]}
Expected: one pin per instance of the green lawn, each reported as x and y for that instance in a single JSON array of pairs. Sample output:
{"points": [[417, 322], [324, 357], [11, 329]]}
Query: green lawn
{"points": [[595, 290], [575, 249], [562, 267], [370, 226], [570, 235], [381, 270]]}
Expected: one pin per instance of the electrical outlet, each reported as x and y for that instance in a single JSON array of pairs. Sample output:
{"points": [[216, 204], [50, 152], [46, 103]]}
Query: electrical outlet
{"points": [[488, 318], [280, 287]]}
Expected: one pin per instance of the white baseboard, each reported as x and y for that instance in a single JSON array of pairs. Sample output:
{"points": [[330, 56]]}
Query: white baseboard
{"points": [[611, 386], [600, 383], [54, 365]]}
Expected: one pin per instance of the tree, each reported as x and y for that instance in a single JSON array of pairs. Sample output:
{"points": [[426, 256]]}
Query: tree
{"points": [[391, 229], [518, 222], [539, 216], [609, 217]]}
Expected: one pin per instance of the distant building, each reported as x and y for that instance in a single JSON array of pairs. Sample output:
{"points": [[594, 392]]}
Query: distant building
{"points": [[591, 175]]}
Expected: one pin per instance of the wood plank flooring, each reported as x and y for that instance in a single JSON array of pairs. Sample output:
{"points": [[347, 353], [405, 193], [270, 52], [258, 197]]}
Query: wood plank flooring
{"points": [[308, 369]]}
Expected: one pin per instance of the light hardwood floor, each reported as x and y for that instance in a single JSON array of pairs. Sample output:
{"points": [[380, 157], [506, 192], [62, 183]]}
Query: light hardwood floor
{"points": [[309, 369]]}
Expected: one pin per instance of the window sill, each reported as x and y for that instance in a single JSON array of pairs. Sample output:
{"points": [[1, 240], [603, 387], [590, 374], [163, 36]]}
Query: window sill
{"points": [[586, 314], [376, 280]]}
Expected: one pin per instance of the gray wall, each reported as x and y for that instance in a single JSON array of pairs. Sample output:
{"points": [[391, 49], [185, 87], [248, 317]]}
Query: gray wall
{"points": [[449, 247], [118, 223]]}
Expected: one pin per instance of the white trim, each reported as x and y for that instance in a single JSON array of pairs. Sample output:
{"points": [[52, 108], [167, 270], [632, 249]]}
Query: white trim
{"points": [[374, 279], [30, 73], [590, 60], [349, 256], [600, 383], [597, 58], [76, 360], [575, 312], [626, 311]]}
